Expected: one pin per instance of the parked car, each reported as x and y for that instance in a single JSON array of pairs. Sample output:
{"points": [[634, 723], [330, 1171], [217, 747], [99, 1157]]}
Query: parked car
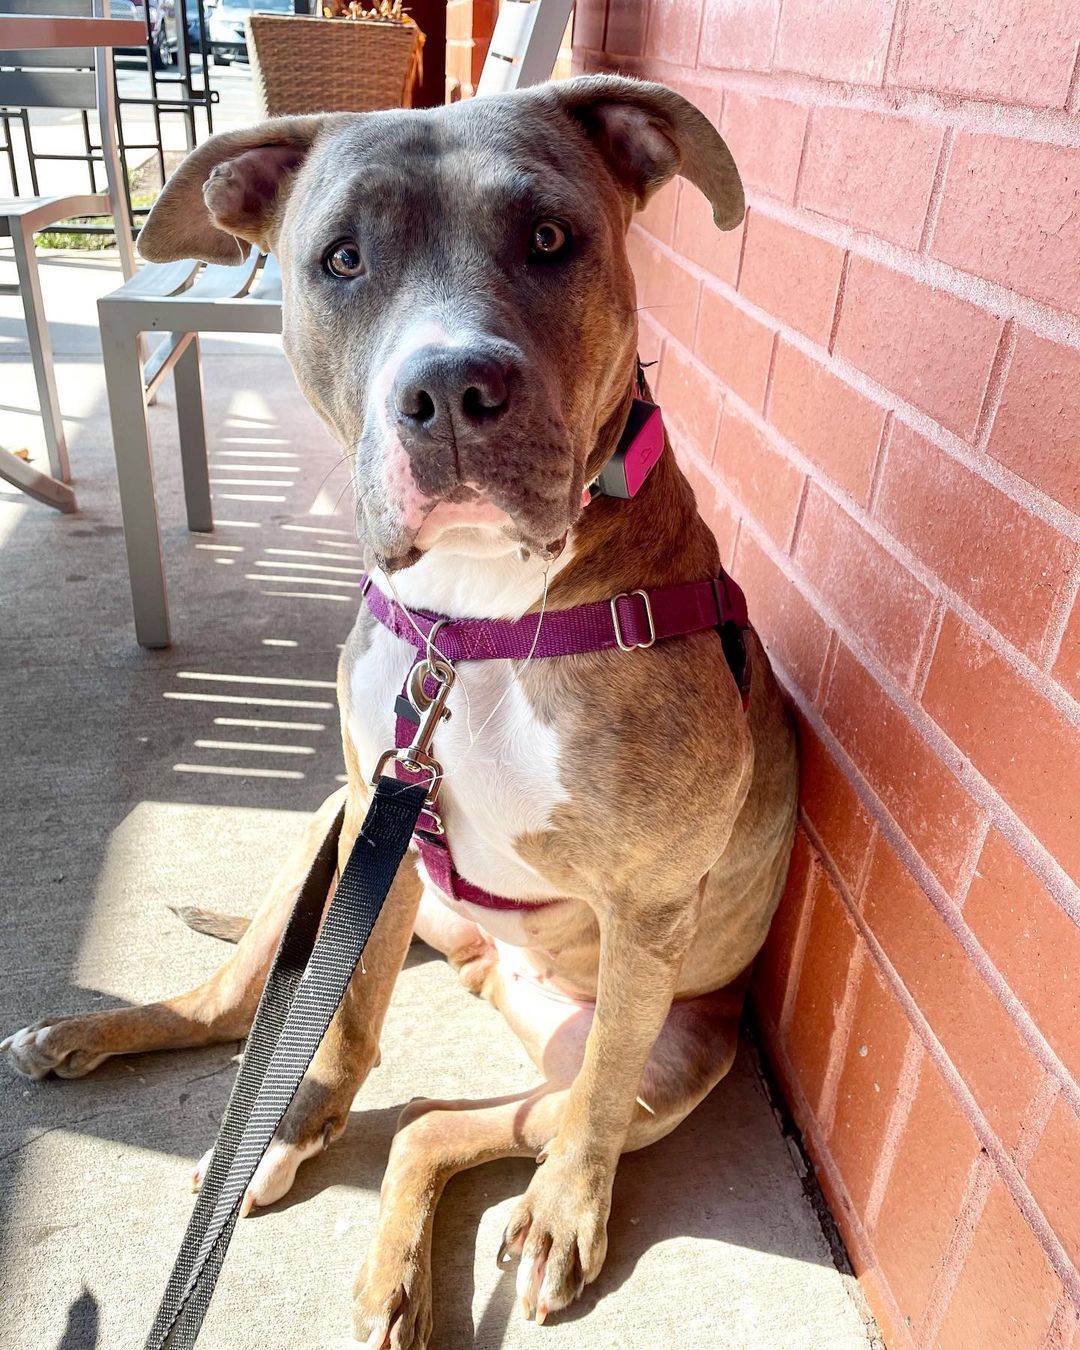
{"points": [[228, 38], [133, 9], [163, 27]]}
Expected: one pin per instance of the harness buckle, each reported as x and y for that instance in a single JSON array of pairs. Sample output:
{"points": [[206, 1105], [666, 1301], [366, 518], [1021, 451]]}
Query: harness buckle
{"points": [[623, 645]]}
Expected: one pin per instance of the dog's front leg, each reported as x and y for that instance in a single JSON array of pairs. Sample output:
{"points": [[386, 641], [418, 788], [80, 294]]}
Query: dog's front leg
{"points": [[559, 1227], [350, 1048]]}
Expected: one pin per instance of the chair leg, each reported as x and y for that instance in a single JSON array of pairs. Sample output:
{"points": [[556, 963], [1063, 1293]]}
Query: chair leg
{"points": [[37, 333], [131, 445], [187, 382], [36, 484]]}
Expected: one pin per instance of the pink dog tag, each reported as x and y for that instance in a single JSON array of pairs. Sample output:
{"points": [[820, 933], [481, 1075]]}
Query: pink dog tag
{"points": [[640, 446]]}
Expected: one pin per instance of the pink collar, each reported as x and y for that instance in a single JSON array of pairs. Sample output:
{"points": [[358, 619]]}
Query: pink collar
{"points": [[633, 619]]}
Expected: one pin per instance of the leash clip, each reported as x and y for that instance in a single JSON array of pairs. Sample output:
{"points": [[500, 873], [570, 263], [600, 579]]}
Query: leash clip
{"points": [[416, 757]]}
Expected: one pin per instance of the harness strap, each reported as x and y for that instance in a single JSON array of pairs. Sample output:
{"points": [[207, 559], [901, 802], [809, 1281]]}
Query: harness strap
{"points": [[634, 619], [430, 839], [306, 983]]}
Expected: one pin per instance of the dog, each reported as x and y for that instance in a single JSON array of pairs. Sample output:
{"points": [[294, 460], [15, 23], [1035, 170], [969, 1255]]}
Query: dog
{"points": [[459, 308]]}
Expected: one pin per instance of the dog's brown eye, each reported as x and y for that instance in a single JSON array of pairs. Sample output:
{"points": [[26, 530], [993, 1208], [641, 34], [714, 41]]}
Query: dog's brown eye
{"points": [[549, 238], [344, 260]]}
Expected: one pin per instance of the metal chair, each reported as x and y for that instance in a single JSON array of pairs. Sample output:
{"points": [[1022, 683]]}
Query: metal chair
{"points": [[80, 78]]}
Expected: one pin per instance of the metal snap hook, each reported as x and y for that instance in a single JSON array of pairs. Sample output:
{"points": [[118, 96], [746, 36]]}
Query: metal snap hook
{"points": [[439, 670]]}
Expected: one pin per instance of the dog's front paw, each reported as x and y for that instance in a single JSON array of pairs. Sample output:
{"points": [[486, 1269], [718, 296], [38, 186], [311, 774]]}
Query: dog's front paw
{"points": [[392, 1302], [315, 1118], [559, 1231], [275, 1173], [53, 1045]]}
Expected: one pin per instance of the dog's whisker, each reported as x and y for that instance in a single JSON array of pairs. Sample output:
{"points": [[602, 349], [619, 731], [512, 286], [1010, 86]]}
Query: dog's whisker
{"points": [[343, 459], [337, 500]]}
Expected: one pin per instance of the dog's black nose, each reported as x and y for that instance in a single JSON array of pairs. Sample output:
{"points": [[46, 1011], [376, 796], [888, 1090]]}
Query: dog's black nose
{"points": [[444, 391]]}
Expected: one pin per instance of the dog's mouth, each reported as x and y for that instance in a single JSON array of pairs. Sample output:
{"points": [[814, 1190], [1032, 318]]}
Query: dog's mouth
{"points": [[464, 522], [463, 537], [472, 516]]}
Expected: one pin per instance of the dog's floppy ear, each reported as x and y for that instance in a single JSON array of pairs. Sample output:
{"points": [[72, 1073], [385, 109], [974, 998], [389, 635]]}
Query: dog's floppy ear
{"points": [[648, 133], [224, 195]]}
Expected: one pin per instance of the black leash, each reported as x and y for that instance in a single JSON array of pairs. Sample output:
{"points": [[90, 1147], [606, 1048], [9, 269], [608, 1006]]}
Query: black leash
{"points": [[307, 982]]}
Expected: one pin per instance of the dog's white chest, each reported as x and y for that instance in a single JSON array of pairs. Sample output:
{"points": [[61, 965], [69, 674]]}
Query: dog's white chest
{"points": [[500, 762]]}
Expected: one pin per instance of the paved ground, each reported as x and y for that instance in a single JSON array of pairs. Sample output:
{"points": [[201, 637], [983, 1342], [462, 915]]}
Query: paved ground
{"points": [[124, 788]]}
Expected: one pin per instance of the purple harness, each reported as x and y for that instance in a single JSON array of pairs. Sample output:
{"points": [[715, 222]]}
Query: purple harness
{"points": [[632, 620]]}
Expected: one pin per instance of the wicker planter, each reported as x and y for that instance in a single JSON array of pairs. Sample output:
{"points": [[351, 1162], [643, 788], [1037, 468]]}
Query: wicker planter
{"points": [[309, 65]]}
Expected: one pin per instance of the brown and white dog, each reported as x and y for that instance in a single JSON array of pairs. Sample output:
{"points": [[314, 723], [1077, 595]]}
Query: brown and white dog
{"points": [[459, 308]]}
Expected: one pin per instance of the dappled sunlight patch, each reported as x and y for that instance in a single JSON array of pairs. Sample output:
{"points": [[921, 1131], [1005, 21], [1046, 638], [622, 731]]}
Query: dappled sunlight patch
{"points": [[301, 595], [193, 697], [310, 553], [301, 581], [246, 497], [288, 563], [254, 756], [317, 529], [238, 771]]}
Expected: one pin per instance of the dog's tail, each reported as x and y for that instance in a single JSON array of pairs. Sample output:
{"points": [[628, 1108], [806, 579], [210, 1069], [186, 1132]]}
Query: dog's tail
{"points": [[227, 927]]}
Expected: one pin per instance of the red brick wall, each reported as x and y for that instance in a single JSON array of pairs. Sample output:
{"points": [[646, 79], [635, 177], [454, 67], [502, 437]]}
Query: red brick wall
{"points": [[875, 386]]}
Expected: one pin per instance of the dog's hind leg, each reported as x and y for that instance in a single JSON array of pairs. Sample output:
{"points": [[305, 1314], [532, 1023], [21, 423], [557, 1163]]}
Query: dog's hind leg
{"points": [[220, 1009], [437, 1139], [465, 945]]}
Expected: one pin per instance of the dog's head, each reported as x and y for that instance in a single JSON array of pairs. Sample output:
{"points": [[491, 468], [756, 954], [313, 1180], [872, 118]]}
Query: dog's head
{"points": [[458, 304]]}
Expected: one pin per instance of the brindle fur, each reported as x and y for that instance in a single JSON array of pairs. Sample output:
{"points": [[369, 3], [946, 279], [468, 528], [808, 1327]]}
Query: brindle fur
{"points": [[673, 844]]}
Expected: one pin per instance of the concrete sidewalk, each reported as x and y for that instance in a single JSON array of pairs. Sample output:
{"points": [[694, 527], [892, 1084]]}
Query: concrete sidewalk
{"points": [[124, 790]]}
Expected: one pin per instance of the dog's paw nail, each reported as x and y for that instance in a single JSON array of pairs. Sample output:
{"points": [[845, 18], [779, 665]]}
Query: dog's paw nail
{"points": [[502, 1253], [247, 1205], [199, 1171], [541, 1314], [526, 1308]]}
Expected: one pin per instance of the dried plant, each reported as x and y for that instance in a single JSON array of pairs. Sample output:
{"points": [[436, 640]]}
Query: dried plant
{"points": [[385, 11]]}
